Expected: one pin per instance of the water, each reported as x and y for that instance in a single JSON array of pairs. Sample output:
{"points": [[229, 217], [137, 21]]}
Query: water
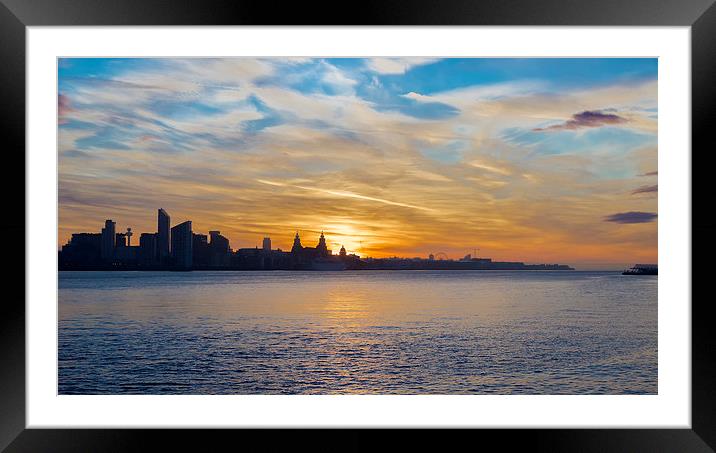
{"points": [[399, 332]]}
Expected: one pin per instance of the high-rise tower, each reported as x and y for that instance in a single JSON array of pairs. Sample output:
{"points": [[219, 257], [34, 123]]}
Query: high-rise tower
{"points": [[163, 236], [182, 245], [108, 240]]}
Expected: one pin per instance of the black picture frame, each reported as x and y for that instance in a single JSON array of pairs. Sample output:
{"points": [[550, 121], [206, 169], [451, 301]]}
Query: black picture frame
{"points": [[16, 15]]}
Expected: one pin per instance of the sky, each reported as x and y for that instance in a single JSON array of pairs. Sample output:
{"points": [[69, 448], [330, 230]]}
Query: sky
{"points": [[535, 160]]}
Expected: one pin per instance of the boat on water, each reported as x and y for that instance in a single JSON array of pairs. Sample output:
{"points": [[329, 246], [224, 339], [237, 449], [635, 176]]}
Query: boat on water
{"points": [[642, 269]]}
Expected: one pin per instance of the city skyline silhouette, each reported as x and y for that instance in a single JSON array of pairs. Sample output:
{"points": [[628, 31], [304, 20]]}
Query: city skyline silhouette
{"points": [[179, 247]]}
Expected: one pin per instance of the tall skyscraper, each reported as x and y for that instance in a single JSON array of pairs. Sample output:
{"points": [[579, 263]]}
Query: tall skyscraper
{"points": [[182, 250], [267, 244], [108, 240], [163, 236]]}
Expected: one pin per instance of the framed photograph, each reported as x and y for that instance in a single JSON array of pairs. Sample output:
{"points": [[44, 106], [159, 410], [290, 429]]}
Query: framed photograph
{"points": [[472, 217]]}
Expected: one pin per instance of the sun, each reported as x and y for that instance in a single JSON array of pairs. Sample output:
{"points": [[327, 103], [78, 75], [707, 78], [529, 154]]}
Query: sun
{"points": [[348, 236]]}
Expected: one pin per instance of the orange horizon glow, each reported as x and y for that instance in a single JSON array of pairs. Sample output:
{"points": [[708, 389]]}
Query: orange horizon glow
{"points": [[384, 245]]}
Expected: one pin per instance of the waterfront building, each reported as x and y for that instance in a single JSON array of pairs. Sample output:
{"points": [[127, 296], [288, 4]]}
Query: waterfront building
{"points": [[82, 249], [200, 250], [219, 249], [258, 258], [321, 248], [308, 253], [126, 255], [316, 258], [297, 247], [163, 236], [267, 244], [181, 247], [108, 240], [147, 254]]}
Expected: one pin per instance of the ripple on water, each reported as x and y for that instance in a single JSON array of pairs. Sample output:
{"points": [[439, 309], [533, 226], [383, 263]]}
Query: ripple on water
{"points": [[357, 332]]}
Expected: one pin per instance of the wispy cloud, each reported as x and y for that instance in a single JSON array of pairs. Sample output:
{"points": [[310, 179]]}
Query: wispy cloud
{"points": [[63, 108], [398, 65], [584, 119], [631, 217], [646, 189], [63, 104], [341, 193]]}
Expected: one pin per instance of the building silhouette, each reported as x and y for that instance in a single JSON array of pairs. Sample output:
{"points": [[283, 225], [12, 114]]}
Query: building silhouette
{"points": [[126, 255], [109, 239], [200, 250], [321, 248], [181, 247], [147, 249], [297, 247], [163, 236], [266, 244], [305, 257], [82, 248], [219, 249]]}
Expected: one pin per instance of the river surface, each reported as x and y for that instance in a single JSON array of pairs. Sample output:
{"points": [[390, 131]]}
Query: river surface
{"points": [[368, 332]]}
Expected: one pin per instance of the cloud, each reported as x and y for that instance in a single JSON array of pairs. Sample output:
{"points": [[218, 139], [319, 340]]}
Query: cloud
{"points": [[631, 217], [63, 108], [338, 80], [588, 118], [646, 189], [651, 173], [396, 65], [63, 104], [491, 168], [417, 96], [341, 193]]}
